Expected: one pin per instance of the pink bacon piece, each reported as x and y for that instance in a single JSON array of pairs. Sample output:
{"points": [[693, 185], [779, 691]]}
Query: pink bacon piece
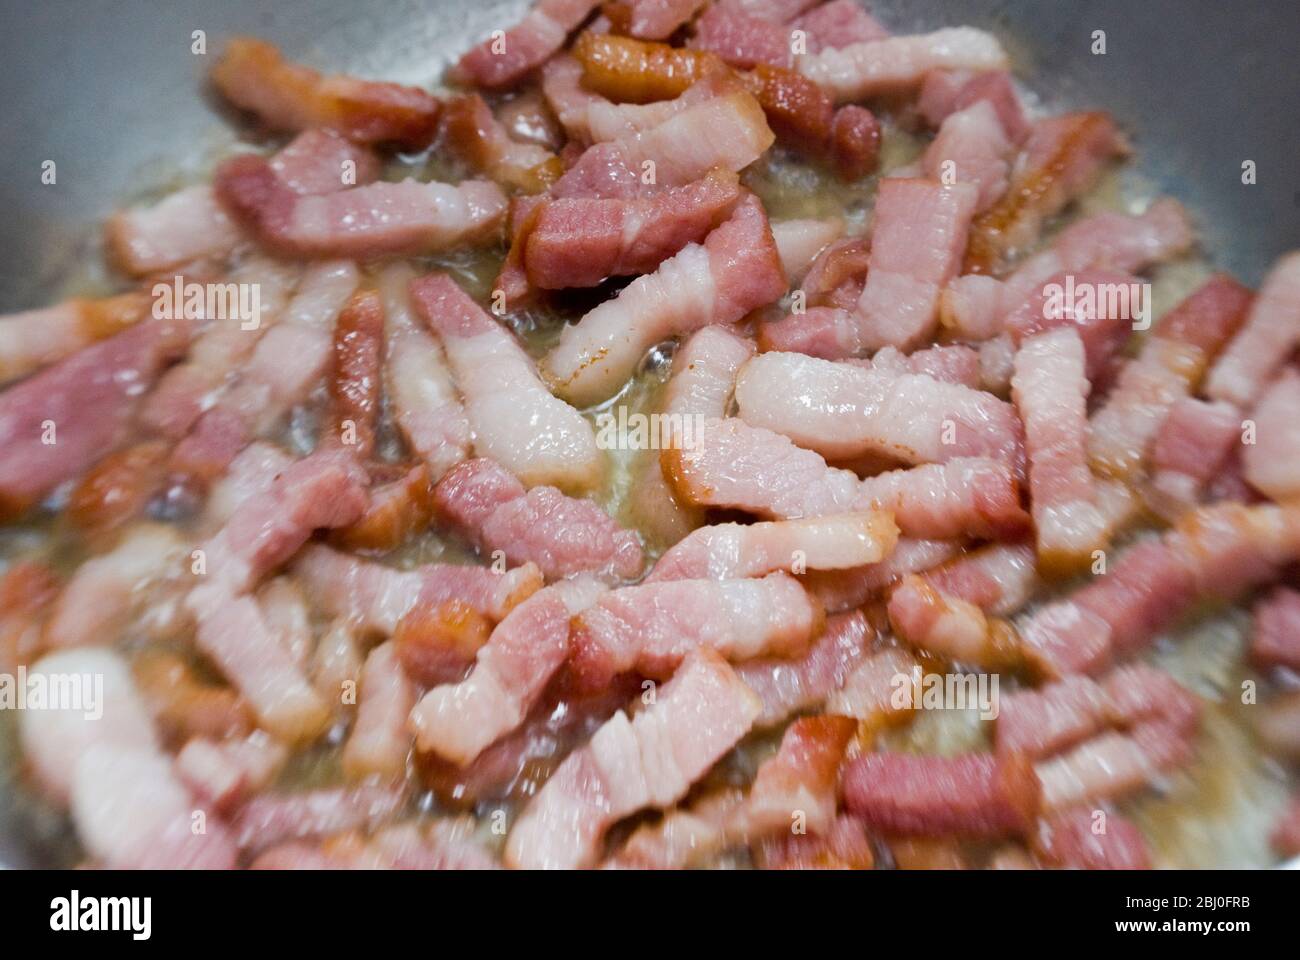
{"points": [[418, 383], [737, 269], [649, 761], [380, 219], [1268, 338], [1272, 463], [728, 131], [515, 420], [916, 248], [894, 64], [829, 26], [731, 551], [761, 472], [1167, 368], [511, 671], [1193, 445], [651, 19], [742, 39], [82, 406], [840, 590], [376, 597], [844, 410], [1275, 640], [787, 686], [1051, 392], [580, 241], [472, 131], [225, 773], [800, 242], [949, 626], [269, 818], [651, 628], [287, 96], [945, 92], [562, 535], [974, 795], [972, 147], [798, 784], [1214, 553], [1071, 840], [31, 339], [379, 743], [504, 59]]}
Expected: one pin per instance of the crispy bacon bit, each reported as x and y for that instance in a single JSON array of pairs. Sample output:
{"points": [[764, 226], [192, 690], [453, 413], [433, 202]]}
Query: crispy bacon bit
{"points": [[117, 489], [732, 551], [651, 628], [736, 270], [515, 420], [700, 715], [974, 795], [287, 96], [407, 218], [358, 364], [1051, 392], [397, 511], [1063, 157], [889, 65], [1276, 637], [503, 60], [183, 704], [868, 692], [845, 410], [562, 535], [510, 673], [630, 71], [82, 406]]}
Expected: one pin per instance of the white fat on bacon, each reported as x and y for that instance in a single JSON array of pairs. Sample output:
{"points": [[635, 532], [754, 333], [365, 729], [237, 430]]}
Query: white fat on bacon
{"points": [[1272, 462], [513, 417], [972, 147], [379, 743], [628, 765], [1263, 345]]}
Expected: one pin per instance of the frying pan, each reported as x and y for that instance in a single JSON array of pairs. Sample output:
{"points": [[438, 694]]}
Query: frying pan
{"points": [[113, 93]]}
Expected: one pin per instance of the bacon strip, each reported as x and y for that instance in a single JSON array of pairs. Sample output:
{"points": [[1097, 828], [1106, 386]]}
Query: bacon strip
{"points": [[797, 785], [840, 590], [732, 551], [845, 410], [889, 65], [650, 19], [1072, 840], [379, 743], [972, 147], [514, 418], [945, 92], [1265, 342], [469, 127], [287, 96], [1193, 445], [736, 270], [268, 818], [651, 760], [1275, 640], [651, 628], [562, 535], [1272, 462], [36, 338], [505, 58], [974, 795], [82, 407], [510, 673]]}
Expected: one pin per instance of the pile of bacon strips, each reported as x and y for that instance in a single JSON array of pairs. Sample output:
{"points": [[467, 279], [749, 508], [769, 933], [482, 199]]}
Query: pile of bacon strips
{"points": [[901, 450]]}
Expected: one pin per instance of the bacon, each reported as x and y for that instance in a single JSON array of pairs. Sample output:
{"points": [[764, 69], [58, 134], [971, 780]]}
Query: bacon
{"points": [[287, 96], [437, 639], [844, 846], [725, 131], [732, 551], [224, 773], [83, 407], [736, 270], [251, 472], [972, 147], [940, 623], [945, 92], [417, 382], [787, 686], [107, 590], [998, 579], [1278, 725], [1213, 553], [1111, 765], [801, 242], [869, 691], [183, 704], [651, 628], [758, 471], [502, 61], [268, 819], [1079, 840], [510, 673], [36, 338], [893, 64], [407, 218], [1166, 369], [379, 743], [631, 71], [1051, 392], [742, 40], [398, 510], [651, 760], [186, 226], [443, 845], [580, 241], [685, 837], [840, 23], [843, 410], [917, 242], [562, 535], [1063, 157], [284, 365], [840, 590], [972, 795], [376, 597], [514, 418], [473, 133], [1272, 462], [358, 365], [650, 19], [117, 489], [797, 785], [855, 138], [1193, 444], [1275, 640], [1264, 344]]}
